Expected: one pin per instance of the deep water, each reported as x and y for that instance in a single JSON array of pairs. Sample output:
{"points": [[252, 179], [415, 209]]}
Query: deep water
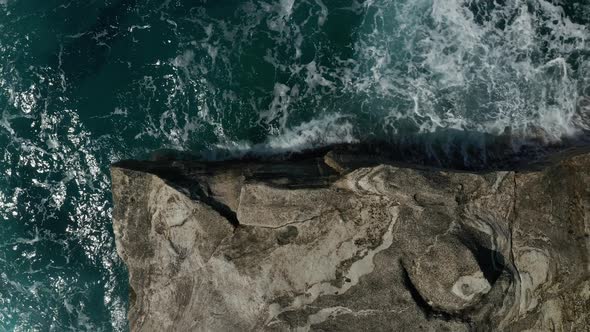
{"points": [[86, 83]]}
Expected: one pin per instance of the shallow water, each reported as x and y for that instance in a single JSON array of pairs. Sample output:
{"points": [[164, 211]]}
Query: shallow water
{"points": [[86, 83]]}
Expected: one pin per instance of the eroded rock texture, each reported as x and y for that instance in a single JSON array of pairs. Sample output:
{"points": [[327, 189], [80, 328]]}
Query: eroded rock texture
{"points": [[322, 244]]}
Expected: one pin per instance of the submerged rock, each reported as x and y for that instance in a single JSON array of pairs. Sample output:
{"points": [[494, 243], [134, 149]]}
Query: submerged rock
{"points": [[330, 244]]}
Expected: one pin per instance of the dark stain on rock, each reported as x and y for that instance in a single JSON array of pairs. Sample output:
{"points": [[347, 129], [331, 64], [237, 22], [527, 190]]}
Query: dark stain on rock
{"points": [[287, 235], [160, 227], [184, 293]]}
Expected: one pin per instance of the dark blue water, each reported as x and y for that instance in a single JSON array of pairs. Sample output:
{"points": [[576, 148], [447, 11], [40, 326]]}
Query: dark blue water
{"points": [[87, 83]]}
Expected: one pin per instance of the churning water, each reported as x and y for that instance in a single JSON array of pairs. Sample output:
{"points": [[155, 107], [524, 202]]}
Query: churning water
{"points": [[85, 83]]}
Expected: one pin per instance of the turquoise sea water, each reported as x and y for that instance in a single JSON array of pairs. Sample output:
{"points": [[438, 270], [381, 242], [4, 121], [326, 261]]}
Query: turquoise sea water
{"points": [[87, 83]]}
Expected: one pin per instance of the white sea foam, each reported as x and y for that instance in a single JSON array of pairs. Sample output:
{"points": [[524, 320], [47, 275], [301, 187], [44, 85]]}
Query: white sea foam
{"points": [[330, 129], [417, 66], [279, 107], [487, 77]]}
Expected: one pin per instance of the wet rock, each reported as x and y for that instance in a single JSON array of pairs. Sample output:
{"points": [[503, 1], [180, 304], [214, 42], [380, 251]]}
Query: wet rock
{"points": [[330, 243]]}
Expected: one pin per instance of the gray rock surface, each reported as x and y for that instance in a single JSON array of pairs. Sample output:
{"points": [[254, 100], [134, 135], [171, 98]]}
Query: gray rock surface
{"points": [[327, 244]]}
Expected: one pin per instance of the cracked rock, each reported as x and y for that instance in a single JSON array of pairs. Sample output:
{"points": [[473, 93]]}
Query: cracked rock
{"points": [[337, 243]]}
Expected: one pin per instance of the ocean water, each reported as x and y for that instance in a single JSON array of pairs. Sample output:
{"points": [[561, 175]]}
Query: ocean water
{"points": [[87, 83]]}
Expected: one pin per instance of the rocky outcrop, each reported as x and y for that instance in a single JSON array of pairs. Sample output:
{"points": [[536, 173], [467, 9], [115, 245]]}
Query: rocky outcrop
{"points": [[333, 244]]}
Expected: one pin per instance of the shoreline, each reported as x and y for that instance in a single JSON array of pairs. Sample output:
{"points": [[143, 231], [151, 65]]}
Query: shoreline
{"points": [[498, 155]]}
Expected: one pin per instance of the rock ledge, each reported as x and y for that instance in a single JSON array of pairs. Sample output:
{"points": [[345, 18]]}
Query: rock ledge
{"points": [[325, 244]]}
